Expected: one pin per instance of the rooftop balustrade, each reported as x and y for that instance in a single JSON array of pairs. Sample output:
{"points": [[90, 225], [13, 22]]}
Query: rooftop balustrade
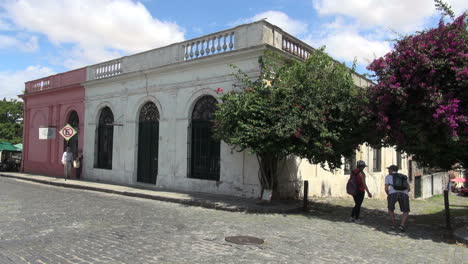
{"points": [[237, 38], [56, 81]]}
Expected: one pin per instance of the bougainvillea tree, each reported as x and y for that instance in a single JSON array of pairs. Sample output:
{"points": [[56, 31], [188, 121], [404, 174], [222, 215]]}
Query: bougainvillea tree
{"points": [[302, 108], [421, 99]]}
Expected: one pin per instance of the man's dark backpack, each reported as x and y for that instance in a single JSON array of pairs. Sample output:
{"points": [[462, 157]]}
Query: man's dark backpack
{"points": [[400, 182]]}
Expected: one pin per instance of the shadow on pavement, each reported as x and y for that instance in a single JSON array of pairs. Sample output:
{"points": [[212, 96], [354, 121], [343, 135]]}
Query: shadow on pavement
{"points": [[419, 226]]}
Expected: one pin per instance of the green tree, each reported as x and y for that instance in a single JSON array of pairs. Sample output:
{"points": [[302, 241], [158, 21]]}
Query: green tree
{"points": [[11, 121], [309, 109], [322, 108]]}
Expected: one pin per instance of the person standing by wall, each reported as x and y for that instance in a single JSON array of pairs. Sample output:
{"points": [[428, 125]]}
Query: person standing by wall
{"points": [[67, 159], [77, 164], [362, 186], [397, 189]]}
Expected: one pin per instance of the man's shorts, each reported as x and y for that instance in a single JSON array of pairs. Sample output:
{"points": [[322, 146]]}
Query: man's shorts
{"points": [[401, 198]]}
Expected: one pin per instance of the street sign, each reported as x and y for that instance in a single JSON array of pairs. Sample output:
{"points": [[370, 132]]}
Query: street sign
{"points": [[47, 133], [67, 132]]}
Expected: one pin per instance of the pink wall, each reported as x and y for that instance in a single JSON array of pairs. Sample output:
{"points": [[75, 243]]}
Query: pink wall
{"points": [[51, 107]]}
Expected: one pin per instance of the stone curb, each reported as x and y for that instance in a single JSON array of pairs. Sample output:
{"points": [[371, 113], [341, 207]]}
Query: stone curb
{"points": [[189, 202]]}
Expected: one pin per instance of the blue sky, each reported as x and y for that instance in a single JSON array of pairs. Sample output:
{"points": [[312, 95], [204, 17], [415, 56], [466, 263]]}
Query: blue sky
{"points": [[43, 37]]}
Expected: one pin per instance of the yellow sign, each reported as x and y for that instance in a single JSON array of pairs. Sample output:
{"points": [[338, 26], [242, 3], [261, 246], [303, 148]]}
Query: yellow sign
{"points": [[67, 132]]}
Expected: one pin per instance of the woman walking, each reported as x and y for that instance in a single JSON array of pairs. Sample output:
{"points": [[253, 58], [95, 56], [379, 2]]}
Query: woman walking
{"points": [[359, 196]]}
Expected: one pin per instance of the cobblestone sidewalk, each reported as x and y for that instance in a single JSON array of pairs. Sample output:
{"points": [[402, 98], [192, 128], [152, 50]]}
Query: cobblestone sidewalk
{"points": [[46, 224], [426, 219]]}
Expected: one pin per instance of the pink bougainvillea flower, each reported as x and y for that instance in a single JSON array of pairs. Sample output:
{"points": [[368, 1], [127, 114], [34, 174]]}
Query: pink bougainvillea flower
{"points": [[219, 90], [298, 132]]}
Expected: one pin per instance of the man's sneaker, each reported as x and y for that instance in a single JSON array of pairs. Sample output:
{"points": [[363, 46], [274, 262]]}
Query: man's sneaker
{"points": [[402, 228], [359, 221], [352, 219]]}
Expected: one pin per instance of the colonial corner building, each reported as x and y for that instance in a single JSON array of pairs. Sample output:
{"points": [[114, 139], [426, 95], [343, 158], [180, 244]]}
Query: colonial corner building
{"points": [[145, 120]]}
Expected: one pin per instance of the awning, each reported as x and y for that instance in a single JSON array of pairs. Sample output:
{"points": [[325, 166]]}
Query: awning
{"points": [[6, 146]]}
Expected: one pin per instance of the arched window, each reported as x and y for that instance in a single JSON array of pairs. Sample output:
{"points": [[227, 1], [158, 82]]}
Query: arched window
{"points": [[204, 150], [73, 121], [148, 136], [105, 138]]}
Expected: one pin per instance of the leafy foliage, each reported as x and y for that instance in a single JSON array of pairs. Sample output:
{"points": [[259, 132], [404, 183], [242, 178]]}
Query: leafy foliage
{"points": [[445, 8], [421, 99], [11, 121], [305, 108], [321, 110]]}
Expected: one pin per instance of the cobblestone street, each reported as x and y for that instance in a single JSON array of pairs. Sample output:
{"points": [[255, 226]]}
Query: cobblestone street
{"points": [[45, 224]]}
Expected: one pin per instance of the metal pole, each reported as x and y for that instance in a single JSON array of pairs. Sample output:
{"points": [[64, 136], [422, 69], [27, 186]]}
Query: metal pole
{"points": [[306, 194], [447, 211]]}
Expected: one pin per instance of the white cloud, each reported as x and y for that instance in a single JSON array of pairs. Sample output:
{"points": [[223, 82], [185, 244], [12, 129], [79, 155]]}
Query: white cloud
{"points": [[400, 15], [4, 25], [12, 82], [97, 30], [458, 6], [27, 44], [288, 24], [347, 45], [362, 28], [79, 56], [345, 42]]}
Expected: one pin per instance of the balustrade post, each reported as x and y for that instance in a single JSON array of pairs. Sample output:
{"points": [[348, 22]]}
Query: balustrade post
{"points": [[231, 45], [202, 48], [224, 42], [196, 49], [213, 49], [208, 47]]}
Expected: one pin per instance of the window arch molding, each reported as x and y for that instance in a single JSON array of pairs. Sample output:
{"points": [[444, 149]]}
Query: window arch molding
{"points": [[190, 105], [141, 103], [99, 108], [38, 115]]}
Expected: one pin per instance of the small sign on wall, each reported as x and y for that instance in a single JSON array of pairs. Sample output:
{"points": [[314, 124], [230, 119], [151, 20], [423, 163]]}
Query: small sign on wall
{"points": [[67, 132], [47, 133]]}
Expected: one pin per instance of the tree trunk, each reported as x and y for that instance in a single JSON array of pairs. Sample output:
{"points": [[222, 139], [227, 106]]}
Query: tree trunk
{"points": [[268, 175]]}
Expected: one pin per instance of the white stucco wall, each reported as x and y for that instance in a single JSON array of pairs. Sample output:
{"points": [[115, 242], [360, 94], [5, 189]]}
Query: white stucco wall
{"points": [[433, 184], [174, 89], [323, 182]]}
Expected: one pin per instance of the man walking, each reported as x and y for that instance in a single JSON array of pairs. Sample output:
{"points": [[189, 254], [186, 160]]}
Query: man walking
{"points": [[67, 159], [397, 188]]}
